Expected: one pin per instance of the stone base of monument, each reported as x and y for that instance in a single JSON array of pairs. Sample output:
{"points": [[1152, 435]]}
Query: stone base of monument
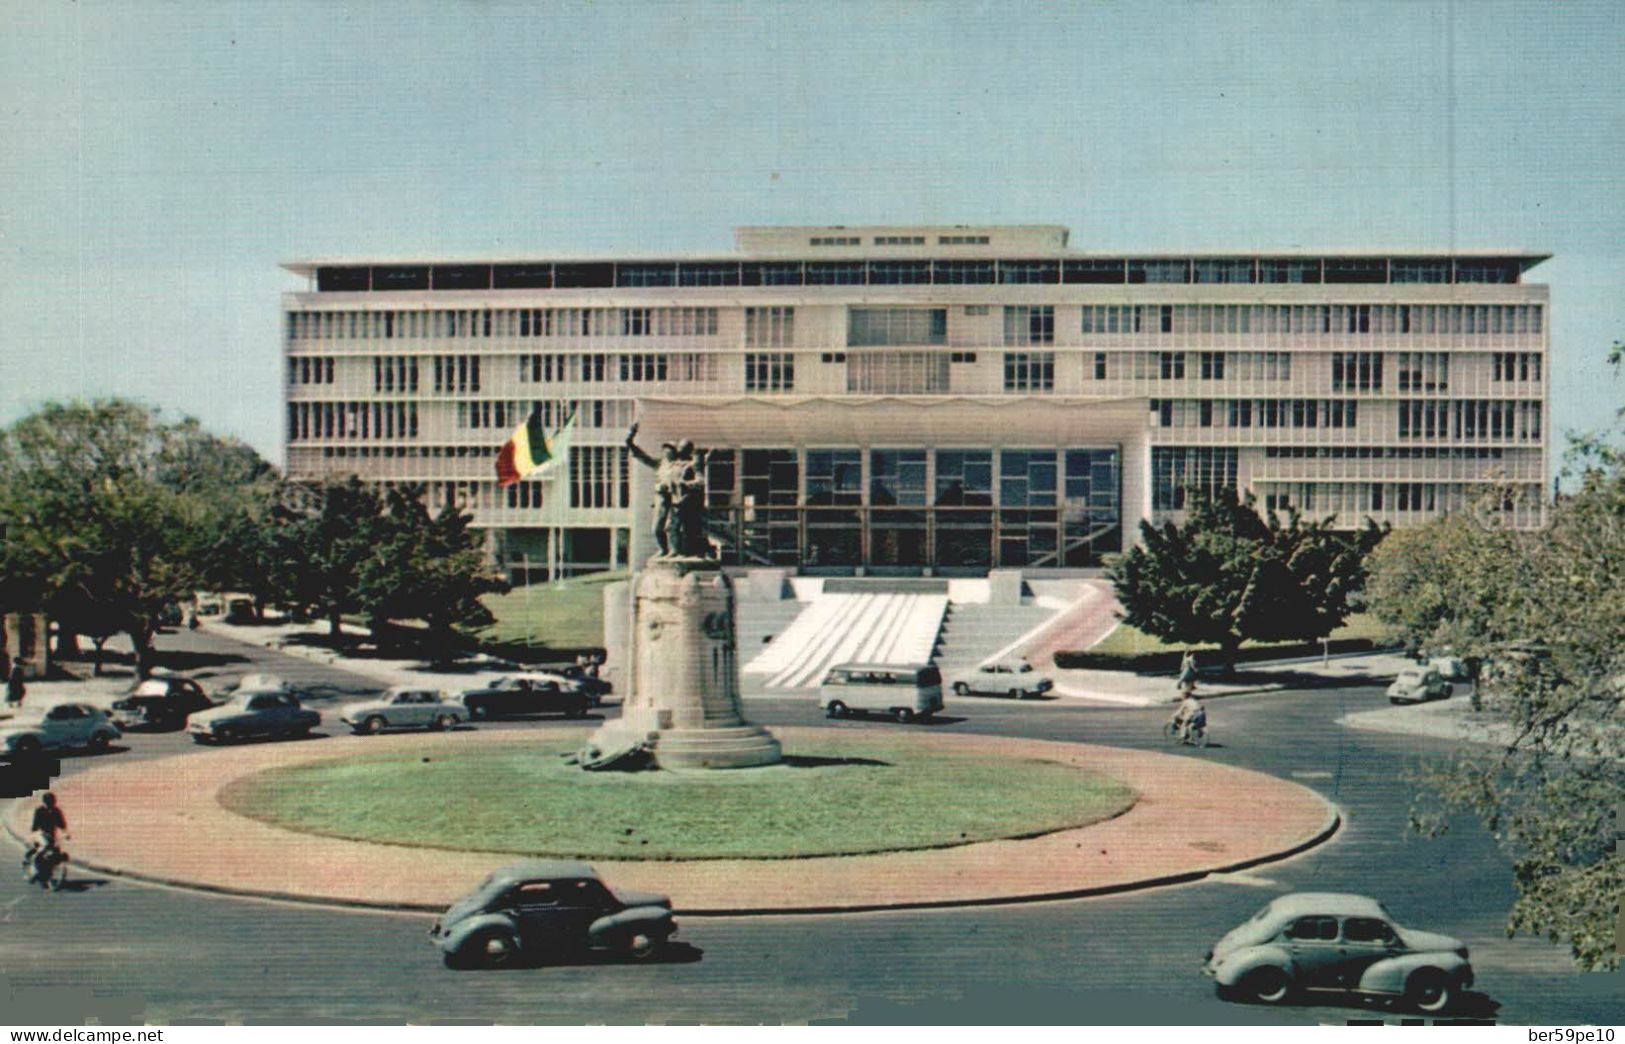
{"points": [[683, 702]]}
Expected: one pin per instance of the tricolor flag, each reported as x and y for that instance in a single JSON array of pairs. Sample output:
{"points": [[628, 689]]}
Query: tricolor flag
{"points": [[530, 448]]}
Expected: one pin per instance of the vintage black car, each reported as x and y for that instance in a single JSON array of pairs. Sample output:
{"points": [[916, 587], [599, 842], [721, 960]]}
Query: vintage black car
{"points": [[160, 703], [543, 908], [518, 694], [586, 680]]}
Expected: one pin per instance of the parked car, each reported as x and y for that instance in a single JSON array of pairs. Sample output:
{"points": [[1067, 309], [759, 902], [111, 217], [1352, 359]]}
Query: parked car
{"points": [[253, 714], [906, 692], [170, 616], [1451, 668], [1000, 679], [160, 703], [1417, 684], [595, 687], [526, 694], [1333, 941], [64, 726], [404, 707], [240, 611], [542, 908]]}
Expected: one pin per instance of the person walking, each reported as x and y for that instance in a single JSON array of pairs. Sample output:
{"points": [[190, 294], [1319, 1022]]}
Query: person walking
{"points": [[15, 689]]}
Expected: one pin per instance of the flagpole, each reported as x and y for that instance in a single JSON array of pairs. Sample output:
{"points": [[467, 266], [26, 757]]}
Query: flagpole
{"points": [[530, 621]]}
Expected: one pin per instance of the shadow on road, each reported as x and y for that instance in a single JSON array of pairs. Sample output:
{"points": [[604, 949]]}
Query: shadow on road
{"points": [[82, 884], [1470, 1005], [674, 953]]}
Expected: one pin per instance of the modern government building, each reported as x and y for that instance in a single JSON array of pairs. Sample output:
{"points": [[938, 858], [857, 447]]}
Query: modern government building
{"points": [[926, 399]]}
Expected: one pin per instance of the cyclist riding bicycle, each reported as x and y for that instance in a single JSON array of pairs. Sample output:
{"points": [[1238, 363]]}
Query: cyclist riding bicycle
{"points": [[48, 827], [1190, 718]]}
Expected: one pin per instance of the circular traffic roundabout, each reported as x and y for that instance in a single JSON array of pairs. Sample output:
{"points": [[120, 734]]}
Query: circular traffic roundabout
{"points": [[853, 820]]}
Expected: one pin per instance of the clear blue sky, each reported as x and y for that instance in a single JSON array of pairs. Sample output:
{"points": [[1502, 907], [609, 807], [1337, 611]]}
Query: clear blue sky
{"points": [[158, 160]]}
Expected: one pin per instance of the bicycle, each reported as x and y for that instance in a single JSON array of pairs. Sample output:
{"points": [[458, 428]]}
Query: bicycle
{"points": [[46, 866], [1191, 735]]}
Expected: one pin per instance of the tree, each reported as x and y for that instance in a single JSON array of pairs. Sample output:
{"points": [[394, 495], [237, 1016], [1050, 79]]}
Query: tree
{"points": [[1542, 611], [1227, 575], [104, 506], [429, 568], [317, 553]]}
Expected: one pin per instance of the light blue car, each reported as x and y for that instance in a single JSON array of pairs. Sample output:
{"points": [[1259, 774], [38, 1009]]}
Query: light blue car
{"points": [[1335, 941]]}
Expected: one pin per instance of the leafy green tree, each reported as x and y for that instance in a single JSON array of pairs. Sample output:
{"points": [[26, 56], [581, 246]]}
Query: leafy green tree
{"points": [[1543, 612], [105, 506], [317, 553], [427, 567], [1227, 575]]}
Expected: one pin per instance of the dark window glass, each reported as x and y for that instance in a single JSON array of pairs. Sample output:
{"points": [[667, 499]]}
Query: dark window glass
{"points": [[400, 277], [725, 273], [1029, 271], [462, 277], [522, 277], [1093, 272], [339, 280], [961, 272], [1320, 929], [584, 275], [646, 275], [1356, 270]]}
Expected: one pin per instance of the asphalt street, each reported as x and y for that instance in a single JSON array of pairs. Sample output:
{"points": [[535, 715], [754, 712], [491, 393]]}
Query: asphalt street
{"points": [[127, 952]]}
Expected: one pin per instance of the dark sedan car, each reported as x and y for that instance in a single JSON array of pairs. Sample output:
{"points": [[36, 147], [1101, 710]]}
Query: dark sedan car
{"points": [[518, 694], [543, 908], [586, 680], [160, 703]]}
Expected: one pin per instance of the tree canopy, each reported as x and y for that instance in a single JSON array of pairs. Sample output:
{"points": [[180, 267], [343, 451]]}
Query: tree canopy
{"points": [[105, 507], [1542, 612], [1227, 575]]}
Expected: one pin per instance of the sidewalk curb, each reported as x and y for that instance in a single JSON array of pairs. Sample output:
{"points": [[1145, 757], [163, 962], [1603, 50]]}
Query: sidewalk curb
{"points": [[1125, 701], [1328, 828]]}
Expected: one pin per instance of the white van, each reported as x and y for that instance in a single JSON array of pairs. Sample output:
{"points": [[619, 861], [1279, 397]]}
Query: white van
{"points": [[904, 691]]}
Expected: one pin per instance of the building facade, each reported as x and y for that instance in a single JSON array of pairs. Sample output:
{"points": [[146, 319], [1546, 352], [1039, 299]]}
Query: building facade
{"points": [[912, 399]]}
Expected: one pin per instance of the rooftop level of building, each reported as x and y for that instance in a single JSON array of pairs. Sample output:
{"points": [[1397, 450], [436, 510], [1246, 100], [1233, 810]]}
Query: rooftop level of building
{"points": [[909, 254]]}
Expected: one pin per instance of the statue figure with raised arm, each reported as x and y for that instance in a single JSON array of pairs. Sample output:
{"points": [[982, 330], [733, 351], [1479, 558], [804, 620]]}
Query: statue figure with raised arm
{"points": [[679, 526]]}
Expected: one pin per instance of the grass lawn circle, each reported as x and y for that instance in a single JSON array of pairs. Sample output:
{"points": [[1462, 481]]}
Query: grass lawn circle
{"points": [[849, 795]]}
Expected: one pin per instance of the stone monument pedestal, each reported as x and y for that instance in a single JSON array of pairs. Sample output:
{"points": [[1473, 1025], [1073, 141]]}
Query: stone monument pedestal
{"points": [[683, 696]]}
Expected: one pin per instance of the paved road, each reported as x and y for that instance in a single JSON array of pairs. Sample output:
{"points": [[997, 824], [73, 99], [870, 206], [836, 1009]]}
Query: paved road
{"points": [[131, 952]]}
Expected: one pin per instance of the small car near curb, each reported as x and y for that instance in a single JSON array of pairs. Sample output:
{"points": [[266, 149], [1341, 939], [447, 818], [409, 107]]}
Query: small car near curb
{"points": [[160, 703], [526, 694], [541, 908], [405, 707], [1016, 680], [1418, 685], [1335, 941], [253, 714], [64, 726]]}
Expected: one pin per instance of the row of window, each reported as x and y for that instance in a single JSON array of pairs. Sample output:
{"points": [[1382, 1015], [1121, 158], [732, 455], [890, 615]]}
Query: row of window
{"points": [[1470, 419], [923, 373], [352, 420], [1079, 479], [542, 275], [395, 420], [1351, 499], [774, 326], [1311, 320], [1248, 413], [1383, 452], [503, 322], [315, 369]]}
